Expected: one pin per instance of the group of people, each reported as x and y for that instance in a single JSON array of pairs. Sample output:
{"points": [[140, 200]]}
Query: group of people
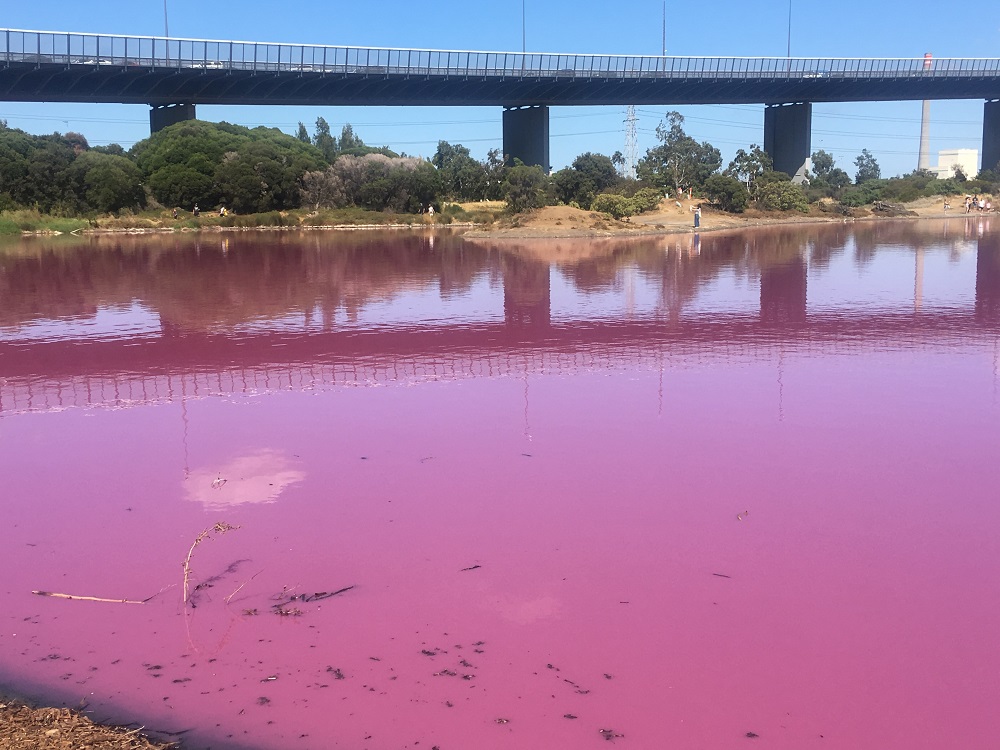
{"points": [[973, 203], [223, 211]]}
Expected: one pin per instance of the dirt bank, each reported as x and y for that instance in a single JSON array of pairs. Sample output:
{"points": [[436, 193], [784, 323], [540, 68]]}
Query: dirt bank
{"points": [[678, 216], [23, 727]]}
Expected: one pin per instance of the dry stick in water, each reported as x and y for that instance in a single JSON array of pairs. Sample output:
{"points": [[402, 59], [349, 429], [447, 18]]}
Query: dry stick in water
{"points": [[238, 588], [221, 528], [89, 598]]}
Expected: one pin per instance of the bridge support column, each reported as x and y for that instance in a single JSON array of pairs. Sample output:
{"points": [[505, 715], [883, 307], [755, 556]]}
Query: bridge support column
{"points": [[164, 115], [788, 138], [526, 135], [991, 135]]}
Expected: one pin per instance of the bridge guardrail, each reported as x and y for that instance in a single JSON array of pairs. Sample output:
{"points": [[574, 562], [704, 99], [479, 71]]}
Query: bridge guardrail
{"points": [[68, 48]]}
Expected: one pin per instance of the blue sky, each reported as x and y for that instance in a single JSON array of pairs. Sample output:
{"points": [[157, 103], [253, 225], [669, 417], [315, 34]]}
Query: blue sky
{"points": [[849, 28]]}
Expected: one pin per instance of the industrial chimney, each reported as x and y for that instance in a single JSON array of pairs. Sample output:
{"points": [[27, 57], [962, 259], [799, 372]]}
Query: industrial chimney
{"points": [[924, 158]]}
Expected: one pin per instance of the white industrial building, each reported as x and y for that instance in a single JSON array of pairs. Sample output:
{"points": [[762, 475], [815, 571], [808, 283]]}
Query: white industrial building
{"points": [[965, 159]]}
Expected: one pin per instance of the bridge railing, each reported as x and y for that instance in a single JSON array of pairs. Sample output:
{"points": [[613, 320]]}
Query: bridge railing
{"points": [[73, 49]]}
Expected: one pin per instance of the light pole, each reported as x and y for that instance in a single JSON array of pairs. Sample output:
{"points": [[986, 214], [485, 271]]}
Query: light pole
{"points": [[166, 29], [524, 47], [789, 28]]}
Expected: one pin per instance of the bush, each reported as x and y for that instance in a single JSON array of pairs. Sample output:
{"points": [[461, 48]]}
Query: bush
{"points": [[646, 199], [728, 193], [782, 196], [618, 206]]}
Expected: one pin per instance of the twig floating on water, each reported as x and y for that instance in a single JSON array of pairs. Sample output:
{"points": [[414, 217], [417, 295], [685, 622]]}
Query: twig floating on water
{"points": [[242, 585], [721, 575], [89, 598], [472, 568]]}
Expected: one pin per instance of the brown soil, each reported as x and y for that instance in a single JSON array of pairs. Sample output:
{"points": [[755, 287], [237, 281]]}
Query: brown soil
{"points": [[678, 216], [25, 728]]}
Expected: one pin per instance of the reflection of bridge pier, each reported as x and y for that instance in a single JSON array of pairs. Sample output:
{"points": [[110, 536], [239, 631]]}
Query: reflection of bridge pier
{"points": [[783, 292], [526, 293], [988, 279]]}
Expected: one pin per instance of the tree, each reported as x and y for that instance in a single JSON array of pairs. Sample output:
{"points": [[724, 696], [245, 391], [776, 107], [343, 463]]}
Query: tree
{"points": [[590, 175], [182, 165], [822, 164], [325, 142], [618, 159], [106, 183], [302, 134], [524, 187], [868, 168], [730, 193], [496, 169], [679, 161], [348, 140], [748, 166], [462, 177], [826, 175]]}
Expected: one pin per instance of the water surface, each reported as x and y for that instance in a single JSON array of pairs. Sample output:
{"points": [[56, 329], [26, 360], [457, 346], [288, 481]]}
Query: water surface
{"points": [[678, 489]]}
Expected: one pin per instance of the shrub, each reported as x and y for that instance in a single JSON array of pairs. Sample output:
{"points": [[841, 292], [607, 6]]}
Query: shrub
{"points": [[618, 206], [782, 196]]}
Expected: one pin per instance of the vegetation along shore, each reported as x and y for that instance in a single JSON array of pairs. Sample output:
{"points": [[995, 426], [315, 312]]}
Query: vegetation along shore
{"points": [[198, 175]]}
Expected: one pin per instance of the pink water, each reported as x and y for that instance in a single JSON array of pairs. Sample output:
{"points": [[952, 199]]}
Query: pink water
{"points": [[679, 492]]}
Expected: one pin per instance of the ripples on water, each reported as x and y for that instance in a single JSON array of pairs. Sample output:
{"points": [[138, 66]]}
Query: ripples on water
{"points": [[680, 489]]}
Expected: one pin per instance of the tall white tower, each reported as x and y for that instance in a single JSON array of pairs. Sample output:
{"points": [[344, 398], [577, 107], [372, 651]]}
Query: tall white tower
{"points": [[631, 143], [924, 157]]}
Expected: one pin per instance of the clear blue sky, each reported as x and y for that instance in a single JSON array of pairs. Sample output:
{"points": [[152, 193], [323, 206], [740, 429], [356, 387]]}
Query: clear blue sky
{"points": [[847, 28]]}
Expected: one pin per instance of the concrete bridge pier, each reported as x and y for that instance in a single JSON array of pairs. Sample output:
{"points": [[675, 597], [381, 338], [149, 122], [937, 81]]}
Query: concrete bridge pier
{"points": [[991, 134], [788, 137], [164, 115], [526, 135]]}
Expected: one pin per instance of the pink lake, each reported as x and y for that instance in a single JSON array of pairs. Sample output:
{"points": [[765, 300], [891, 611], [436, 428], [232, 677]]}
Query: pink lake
{"points": [[671, 492]]}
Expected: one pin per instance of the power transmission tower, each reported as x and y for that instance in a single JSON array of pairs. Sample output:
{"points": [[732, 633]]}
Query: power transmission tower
{"points": [[631, 143]]}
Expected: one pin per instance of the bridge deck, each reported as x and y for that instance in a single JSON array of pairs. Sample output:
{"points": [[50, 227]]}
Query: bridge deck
{"points": [[66, 66]]}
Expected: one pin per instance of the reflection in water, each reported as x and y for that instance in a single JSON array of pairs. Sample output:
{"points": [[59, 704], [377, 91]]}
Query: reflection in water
{"points": [[259, 477], [140, 320], [680, 487]]}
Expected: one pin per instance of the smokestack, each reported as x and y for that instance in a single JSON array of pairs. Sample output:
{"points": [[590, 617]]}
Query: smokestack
{"points": [[924, 158]]}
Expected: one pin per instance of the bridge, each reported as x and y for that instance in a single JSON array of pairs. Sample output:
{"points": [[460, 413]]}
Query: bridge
{"points": [[173, 75]]}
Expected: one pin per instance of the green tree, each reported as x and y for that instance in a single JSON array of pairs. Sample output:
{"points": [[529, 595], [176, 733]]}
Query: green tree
{"points": [[679, 162], [731, 194], [589, 175], [302, 134], [325, 142], [524, 187], [822, 164], [748, 166], [349, 142], [182, 163], [868, 168], [462, 177], [106, 183], [496, 168]]}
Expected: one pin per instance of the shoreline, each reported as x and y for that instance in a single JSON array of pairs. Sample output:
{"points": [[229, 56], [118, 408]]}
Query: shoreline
{"points": [[626, 230]]}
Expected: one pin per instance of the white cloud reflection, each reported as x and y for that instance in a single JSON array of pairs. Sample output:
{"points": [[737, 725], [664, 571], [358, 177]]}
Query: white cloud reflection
{"points": [[255, 478]]}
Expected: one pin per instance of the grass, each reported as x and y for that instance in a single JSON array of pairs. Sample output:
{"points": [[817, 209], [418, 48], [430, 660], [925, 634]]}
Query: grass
{"points": [[30, 220]]}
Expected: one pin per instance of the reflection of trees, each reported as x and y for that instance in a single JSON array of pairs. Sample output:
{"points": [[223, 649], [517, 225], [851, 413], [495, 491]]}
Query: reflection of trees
{"points": [[207, 281]]}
